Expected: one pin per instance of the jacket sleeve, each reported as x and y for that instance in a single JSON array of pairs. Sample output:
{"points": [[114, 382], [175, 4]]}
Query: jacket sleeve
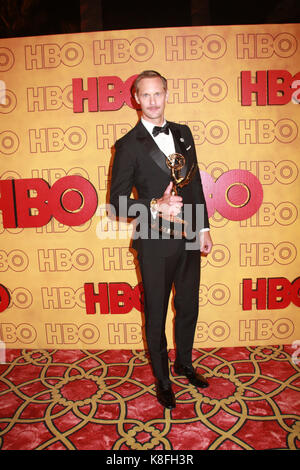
{"points": [[123, 182], [197, 183]]}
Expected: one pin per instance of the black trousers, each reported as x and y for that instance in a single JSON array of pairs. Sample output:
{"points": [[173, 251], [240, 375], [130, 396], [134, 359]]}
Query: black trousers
{"points": [[159, 274]]}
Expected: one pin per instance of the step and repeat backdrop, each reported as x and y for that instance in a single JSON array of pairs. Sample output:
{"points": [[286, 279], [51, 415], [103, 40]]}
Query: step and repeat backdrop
{"points": [[68, 278]]}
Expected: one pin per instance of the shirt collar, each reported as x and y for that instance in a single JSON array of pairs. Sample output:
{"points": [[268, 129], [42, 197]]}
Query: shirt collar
{"points": [[149, 126]]}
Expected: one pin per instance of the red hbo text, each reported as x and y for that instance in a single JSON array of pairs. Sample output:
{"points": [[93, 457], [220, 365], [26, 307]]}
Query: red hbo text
{"points": [[103, 93], [271, 293], [272, 87], [236, 194], [4, 298], [72, 200], [115, 298]]}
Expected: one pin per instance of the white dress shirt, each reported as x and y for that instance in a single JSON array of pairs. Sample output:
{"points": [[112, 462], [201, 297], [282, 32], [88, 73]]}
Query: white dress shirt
{"points": [[164, 141], [166, 144]]}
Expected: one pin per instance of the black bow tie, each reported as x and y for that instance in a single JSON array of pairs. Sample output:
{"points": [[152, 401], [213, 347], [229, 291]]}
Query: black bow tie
{"points": [[156, 129]]}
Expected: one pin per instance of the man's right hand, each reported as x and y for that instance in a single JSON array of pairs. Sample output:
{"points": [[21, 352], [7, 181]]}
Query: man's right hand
{"points": [[169, 204]]}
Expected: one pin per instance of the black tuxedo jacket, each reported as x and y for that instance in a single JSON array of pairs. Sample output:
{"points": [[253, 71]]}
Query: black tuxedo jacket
{"points": [[140, 164]]}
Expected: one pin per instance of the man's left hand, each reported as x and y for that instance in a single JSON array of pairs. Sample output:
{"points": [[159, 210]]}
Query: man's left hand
{"points": [[205, 242]]}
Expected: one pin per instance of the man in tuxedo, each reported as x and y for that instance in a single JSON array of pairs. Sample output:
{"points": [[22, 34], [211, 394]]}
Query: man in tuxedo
{"points": [[165, 258]]}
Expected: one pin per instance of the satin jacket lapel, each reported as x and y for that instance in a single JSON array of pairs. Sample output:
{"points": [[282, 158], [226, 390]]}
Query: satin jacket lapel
{"points": [[180, 147], [151, 148]]}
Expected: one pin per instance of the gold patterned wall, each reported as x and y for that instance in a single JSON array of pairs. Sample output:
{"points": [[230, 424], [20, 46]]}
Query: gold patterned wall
{"points": [[65, 99]]}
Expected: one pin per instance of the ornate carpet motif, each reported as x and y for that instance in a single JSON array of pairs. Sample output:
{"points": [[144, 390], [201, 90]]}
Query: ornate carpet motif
{"points": [[74, 399]]}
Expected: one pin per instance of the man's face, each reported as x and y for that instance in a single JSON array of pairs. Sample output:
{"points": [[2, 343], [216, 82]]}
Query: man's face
{"points": [[152, 98]]}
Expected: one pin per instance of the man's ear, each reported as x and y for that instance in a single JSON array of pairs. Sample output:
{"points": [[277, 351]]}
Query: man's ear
{"points": [[137, 99]]}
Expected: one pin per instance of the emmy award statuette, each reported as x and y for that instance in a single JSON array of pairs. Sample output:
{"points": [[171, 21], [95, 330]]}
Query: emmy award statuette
{"points": [[174, 226]]}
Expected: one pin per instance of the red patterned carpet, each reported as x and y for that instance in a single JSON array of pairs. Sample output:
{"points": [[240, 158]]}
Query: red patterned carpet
{"points": [[95, 400]]}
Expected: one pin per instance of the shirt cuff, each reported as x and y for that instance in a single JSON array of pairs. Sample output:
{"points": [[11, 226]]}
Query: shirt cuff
{"points": [[154, 213], [153, 208]]}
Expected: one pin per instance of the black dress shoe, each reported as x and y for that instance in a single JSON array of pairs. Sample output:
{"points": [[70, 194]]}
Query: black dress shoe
{"points": [[165, 396], [192, 376]]}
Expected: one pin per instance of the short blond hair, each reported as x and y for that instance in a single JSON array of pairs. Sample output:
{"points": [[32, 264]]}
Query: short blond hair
{"points": [[149, 74]]}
